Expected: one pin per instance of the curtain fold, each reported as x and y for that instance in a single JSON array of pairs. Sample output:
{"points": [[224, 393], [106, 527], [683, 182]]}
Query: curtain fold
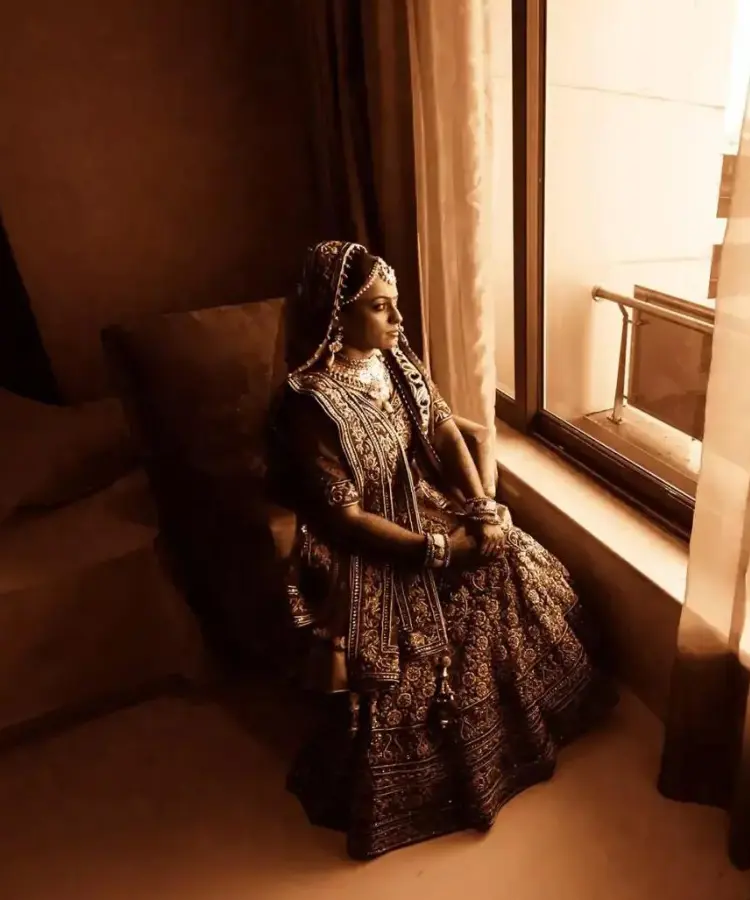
{"points": [[455, 177], [357, 53], [25, 367], [706, 756]]}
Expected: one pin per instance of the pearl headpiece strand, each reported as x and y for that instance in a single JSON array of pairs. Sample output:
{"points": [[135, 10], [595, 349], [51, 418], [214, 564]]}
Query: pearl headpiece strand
{"points": [[381, 270]]}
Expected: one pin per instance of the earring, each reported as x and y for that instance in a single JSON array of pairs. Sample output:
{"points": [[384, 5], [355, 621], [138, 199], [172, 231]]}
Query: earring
{"points": [[335, 345]]}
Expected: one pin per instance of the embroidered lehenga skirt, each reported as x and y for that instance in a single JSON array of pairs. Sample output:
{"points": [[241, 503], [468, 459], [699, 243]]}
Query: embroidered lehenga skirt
{"points": [[523, 682]]}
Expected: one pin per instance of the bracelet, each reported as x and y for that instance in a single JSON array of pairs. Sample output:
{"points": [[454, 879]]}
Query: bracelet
{"points": [[437, 551], [482, 509]]}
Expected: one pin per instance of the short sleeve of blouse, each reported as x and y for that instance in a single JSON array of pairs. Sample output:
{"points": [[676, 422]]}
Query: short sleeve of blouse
{"points": [[316, 448]]}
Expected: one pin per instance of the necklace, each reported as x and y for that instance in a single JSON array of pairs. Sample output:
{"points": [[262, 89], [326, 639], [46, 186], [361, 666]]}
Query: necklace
{"points": [[369, 375]]}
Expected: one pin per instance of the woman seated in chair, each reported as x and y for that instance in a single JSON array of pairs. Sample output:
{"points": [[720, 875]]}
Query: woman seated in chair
{"points": [[454, 642]]}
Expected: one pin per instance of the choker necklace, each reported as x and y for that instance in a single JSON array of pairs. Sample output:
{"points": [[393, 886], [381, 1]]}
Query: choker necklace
{"points": [[368, 375], [362, 362]]}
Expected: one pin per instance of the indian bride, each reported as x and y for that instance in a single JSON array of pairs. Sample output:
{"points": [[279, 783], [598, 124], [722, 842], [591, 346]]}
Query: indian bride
{"points": [[451, 644]]}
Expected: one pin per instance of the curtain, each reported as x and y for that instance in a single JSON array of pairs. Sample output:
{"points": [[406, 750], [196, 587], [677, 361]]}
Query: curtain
{"points": [[357, 53], [24, 365], [452, 100], [706, 756]]}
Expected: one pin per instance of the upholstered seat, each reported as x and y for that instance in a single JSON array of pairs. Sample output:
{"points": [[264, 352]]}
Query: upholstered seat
{"points": [[197, 388], [88, 618]]}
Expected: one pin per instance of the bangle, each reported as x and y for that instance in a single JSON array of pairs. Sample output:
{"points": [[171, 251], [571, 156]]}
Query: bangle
{"points": [[437, 552], [481, 509], [442, 551]]}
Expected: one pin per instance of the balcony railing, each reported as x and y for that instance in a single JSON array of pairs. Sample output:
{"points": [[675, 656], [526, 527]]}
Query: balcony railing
{"points": [[665, 354]]}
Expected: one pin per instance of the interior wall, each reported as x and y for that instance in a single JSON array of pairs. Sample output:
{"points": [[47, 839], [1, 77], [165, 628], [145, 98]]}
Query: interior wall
{"points": [[153, 157]]}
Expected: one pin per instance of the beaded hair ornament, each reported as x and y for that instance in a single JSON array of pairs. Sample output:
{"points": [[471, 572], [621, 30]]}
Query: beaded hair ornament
{"points": [[380, 269]]}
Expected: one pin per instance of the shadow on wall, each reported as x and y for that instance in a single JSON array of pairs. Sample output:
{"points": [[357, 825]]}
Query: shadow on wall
{"points": [[153, 157]]}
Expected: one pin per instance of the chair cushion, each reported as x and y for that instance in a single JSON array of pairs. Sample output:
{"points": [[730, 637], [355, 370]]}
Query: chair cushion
{"points": [[47, 545], [52, 455], [197, 385], [87, 615], [197, 388]]}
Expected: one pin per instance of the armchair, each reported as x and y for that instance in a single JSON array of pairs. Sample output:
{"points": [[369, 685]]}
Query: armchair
{"points": [[197, 388]]}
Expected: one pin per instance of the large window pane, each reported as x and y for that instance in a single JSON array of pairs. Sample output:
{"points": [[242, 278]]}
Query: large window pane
{"points": [[641, 110]]}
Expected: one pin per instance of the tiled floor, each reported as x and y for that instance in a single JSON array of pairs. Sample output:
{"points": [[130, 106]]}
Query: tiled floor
{"points": [[173, 799]]}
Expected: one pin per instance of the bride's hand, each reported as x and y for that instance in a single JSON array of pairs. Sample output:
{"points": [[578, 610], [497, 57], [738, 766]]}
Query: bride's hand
{"points": [[491, 540], [463, 547]]}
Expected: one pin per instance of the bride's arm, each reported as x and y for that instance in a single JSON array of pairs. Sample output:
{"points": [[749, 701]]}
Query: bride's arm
{"points": [[333, 496], [371, 533], [458, 463]]}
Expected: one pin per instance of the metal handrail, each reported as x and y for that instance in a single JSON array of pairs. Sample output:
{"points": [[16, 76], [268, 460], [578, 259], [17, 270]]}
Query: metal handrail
{"points": [[677, 318], [653, 308], [676, 304]]}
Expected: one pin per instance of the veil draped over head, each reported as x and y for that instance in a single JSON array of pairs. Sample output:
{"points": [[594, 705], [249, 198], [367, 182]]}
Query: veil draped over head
{"points": [[326, 286]]}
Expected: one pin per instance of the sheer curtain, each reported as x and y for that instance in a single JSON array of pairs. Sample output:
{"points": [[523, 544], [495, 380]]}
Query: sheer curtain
{"points": [[706, 755], [452, 103]]}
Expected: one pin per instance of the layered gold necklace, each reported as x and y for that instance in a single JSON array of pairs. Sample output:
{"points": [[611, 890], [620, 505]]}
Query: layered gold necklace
{"points": [[369, 375]]}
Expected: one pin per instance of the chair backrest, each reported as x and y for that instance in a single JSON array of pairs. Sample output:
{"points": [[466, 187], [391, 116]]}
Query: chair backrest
{"points": [[197, 388], [197, 385]]}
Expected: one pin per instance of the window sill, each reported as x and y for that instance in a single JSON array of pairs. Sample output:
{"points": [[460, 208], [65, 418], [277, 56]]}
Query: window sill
{"points": [[640, 543]]}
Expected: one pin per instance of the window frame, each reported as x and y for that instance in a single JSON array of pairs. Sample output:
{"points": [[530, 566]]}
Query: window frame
{"points": [[525, 411]]}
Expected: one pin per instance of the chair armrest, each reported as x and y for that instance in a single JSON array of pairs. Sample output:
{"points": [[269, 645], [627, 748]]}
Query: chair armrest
{"points": [[481, 445], [258, 517]]}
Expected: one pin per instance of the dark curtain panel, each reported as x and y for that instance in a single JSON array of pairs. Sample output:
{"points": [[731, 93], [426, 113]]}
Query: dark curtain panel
{"points": [[357, 53], [706, 757], [24, 366]]}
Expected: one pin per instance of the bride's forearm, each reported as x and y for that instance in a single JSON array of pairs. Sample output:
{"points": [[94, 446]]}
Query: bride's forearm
{"points": [[459, 467], [367, 532]]}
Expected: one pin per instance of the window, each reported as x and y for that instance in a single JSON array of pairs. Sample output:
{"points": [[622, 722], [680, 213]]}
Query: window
{"points": [[626, 125]]}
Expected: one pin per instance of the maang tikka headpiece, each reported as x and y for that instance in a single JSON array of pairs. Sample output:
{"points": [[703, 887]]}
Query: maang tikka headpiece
{"points": [[381, 270]]}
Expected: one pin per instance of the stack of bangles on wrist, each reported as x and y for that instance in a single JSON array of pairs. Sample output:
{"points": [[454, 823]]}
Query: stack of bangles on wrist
{"points": [[482, 509], [438, 553]]}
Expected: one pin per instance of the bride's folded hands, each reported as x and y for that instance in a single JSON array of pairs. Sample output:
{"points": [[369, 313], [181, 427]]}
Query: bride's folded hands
{"points": [[491, 540], [492, 536], [476, 543]]}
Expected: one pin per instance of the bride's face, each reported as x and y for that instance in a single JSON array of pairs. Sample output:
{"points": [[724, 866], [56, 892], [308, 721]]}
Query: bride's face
{"points": [[373, 321]]}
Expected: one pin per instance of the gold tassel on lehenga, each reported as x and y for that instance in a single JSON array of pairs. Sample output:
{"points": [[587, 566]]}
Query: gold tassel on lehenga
{"points": [[354, 712], [444, 710]]}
